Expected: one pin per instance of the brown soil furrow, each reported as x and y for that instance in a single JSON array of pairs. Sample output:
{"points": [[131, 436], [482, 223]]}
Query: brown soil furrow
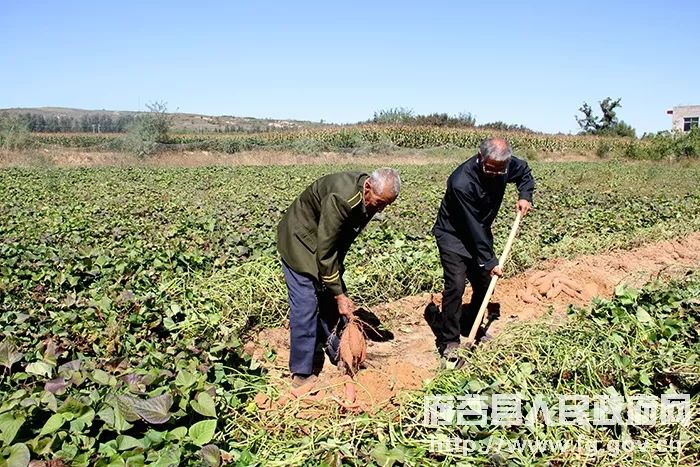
{"points": [[406, 361]]}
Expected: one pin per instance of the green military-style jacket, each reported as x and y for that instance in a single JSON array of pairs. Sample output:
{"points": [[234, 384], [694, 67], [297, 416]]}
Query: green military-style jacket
{"points": [[317, 230]]}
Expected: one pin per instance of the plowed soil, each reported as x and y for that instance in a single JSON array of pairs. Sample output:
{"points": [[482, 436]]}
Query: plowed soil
{"points": [[406, 361]]}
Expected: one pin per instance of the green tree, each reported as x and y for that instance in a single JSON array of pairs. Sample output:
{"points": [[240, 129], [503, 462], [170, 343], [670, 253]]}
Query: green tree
{"points": [[394, 115], [605, 125], [149, 131], [14, 133]]}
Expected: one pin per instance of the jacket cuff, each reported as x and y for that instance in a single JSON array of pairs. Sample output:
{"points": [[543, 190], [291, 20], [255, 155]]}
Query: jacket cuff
{"points": [[490, 264], [335, 288], [526, 196]]}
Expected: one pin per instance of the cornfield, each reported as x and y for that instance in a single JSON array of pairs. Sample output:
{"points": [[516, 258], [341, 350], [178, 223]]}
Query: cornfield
{"points": [[338, 138]]}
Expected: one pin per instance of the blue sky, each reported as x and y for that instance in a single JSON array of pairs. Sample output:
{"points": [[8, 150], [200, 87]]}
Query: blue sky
{"points": [[532, 63]]}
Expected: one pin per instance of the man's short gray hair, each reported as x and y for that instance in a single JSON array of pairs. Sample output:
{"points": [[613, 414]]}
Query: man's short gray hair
{"points": [[384, 178], [495, 149]]}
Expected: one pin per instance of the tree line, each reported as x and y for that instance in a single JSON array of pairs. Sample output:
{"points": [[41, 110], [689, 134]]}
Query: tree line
{"points": [[405, 116], [89, 123]]}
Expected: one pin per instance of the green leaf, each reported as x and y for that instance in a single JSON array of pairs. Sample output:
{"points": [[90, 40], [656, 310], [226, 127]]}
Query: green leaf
{"points": [[124, 443], [173, 310], [388, 457], [202, 432], [185, 379], [526, 368], [134, 459], [53, 424], [81, 460], [67, 452], [9, 426], [50, 401], [617, 339], [169, 324], [101, 260], [116, 461], [644, 378], [19, 456], [475, 386], [204, 405], [8, 354], [155, 410], [114, 419], [72, 406], [167, 457], [104, 378], [79, 424], [104, 303], [125, 406], [643, 316], [153, 438], [178, 433], [39, 369], [620, 290]]}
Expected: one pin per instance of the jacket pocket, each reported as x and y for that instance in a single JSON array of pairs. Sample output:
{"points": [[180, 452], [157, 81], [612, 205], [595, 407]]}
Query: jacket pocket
{"points": [[307, 238]]}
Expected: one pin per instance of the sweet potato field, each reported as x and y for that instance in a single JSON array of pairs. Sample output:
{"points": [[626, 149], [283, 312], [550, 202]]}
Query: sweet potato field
{"points": [[126, 295]]}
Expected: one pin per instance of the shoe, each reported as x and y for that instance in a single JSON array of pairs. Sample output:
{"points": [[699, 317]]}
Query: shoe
{"points": [[450, 356], [449, 350], [302, 380], [481, 335]]}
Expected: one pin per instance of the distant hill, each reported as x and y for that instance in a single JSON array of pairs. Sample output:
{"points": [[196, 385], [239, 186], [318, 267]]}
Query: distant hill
{"points": [[180, 121]]}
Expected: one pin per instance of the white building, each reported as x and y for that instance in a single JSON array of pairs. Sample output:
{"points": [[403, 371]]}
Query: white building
{"points": [[685, 117]]}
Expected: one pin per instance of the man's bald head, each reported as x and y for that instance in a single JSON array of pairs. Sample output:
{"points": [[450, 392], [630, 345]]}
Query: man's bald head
{"points": [[496, 150]]}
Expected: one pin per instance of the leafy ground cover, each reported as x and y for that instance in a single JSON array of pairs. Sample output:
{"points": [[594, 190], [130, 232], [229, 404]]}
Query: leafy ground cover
{"points": [[641, 343], [124, 293]]}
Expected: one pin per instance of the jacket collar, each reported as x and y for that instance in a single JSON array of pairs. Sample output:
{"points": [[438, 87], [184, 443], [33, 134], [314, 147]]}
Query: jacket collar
{"points": [[358, 199]]}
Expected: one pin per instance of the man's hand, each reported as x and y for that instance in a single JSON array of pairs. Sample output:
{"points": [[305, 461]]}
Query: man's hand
{"points": [[523, 206], [496, 271], [345, 306]]}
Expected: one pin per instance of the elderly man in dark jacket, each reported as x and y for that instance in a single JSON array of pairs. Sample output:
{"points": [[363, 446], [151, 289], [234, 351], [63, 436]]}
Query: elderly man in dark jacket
{"points": [[462, 230], [313, 238]]}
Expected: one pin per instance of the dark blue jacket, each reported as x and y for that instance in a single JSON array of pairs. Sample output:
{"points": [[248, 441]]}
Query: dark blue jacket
{"points": [[470, 205]]}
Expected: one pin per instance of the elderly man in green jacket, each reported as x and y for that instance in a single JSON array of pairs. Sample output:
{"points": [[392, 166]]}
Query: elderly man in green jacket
{"points": [[313, 238]]}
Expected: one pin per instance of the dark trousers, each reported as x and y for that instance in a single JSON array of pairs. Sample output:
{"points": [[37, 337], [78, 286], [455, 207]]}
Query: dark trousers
{"points": [[456, 270], [312, 320]]}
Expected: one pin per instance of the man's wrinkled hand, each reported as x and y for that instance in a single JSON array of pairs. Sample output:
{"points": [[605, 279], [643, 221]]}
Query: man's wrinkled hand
{"points": [[496, 271], [345, 306], [523, 206]]}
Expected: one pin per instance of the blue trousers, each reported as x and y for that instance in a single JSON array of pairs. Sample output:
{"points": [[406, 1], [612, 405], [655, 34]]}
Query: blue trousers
{"points": [[313, 320]]}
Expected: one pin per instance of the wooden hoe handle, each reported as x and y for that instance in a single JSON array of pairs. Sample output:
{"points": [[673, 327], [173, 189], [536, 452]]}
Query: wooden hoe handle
{"points": [[494, 279]]}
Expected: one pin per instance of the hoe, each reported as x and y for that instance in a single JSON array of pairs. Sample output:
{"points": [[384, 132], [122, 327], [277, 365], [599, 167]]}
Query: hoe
{"points": [[492, 285]]}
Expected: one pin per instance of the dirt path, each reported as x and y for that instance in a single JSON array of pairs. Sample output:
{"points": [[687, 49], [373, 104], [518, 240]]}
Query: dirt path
{"points": [[409, 359], [77, 157]]}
